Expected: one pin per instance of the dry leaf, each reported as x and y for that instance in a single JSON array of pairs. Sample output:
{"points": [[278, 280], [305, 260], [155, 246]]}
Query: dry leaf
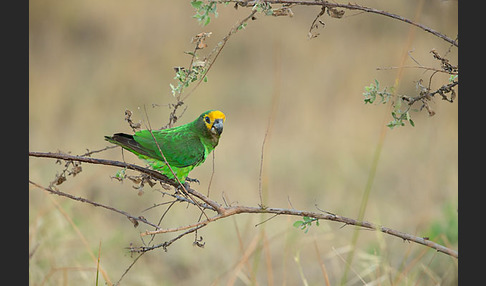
{"points": [[283, 11], [134, 221], [199, 38], [335, 13]]}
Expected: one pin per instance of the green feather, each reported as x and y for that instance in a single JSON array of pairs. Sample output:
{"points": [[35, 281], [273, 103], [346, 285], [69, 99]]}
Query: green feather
{"points": [[184, 147]]}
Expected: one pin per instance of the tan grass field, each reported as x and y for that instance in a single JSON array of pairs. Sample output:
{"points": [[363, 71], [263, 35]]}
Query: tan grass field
{"points": [[91, 60]]}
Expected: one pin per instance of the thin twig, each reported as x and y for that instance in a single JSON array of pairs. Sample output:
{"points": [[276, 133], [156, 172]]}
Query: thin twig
{"points": [[128, 268], [80, 199], [418, 67], [261, 169], [166, 244], [212, 175], [217, 50]]}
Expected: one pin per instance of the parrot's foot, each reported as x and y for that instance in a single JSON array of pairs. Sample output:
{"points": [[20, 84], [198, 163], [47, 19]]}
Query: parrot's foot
{"points": [[180, 188], [193, 180]]}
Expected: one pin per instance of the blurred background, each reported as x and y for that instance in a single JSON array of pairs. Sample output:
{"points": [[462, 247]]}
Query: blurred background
{"points": [[89, 61]]}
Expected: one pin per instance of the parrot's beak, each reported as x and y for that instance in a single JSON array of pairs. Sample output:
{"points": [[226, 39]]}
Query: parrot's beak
{"points": [[217, 127]]}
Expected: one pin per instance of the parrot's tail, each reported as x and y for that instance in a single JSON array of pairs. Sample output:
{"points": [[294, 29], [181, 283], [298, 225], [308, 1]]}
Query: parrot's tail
{"points": [[127, 142]]}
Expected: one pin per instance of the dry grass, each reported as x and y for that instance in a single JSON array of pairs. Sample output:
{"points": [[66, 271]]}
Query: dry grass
{"points": [[91, 60]]}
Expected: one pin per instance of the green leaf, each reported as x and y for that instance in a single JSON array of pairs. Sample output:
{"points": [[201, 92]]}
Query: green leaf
{"points": [[242, 26], [120, 174], [411, 122], [298, 223], [206, 22], [398, 104], [196, 4], [391, 124]]}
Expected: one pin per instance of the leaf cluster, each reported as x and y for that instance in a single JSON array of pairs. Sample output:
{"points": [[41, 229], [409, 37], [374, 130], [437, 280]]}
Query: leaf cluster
{"points": [[197, 68], [373, 91], [185, 77], [204, 11], [400, 116], [373, 94], [306, 223], [402, 104]]}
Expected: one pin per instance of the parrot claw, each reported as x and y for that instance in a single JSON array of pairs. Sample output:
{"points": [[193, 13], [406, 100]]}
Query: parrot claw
{"points": [[193, 180]]}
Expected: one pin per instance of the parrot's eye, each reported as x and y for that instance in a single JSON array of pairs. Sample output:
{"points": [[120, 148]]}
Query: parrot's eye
{"points": [[207, 119]]}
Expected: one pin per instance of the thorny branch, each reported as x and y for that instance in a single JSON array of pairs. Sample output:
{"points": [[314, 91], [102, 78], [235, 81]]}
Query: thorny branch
{"points": [[223, 211]]}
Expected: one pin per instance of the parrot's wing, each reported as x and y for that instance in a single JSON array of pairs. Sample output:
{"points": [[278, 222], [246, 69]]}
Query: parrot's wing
{"points": [[181, 149]]}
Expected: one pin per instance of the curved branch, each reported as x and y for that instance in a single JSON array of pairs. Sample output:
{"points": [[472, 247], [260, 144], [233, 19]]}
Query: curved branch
{"points": [[223, 212], [350, 6]]}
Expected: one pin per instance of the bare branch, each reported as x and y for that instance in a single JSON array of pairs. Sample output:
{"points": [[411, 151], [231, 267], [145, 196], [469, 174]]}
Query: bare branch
{"points": [[223, 212]]}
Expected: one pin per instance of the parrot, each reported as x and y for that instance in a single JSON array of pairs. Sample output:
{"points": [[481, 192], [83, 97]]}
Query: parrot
{"points": [[184, 147]]}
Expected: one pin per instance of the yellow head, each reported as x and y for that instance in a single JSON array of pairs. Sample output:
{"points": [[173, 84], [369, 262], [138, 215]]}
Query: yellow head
{"points": [[214, 121]]}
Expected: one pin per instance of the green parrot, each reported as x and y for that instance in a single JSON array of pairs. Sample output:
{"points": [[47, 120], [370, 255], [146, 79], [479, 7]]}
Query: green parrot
{"points": [[184, 147]]}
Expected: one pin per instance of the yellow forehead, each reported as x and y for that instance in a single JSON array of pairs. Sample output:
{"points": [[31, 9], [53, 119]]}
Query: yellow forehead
{"points": [[216, 114]]}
